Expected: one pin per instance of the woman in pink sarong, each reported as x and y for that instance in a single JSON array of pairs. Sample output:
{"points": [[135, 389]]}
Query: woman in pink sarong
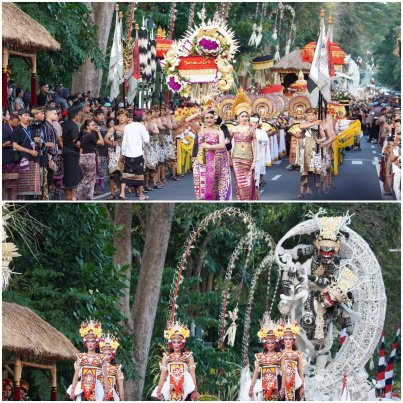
{"points": [[211, 172]]}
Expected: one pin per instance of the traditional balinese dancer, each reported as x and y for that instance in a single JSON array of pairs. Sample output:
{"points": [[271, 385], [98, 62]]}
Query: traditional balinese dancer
{"points": [[296, 133], [113, 139], [178, 377], [311, 153], [292, 387], [244, 153], [268, 363], [108, 345], [152, 152], [262, 140], [169, 148], [211, 172], [89, 367]]}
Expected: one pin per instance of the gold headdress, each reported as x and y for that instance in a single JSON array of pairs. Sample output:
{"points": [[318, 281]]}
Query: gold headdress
{"points": [[91, 330], [297, 103], [345, 282], [176, 329], [292, 328], [269, 329], [108, 342], [241, 103], [225, 107]]}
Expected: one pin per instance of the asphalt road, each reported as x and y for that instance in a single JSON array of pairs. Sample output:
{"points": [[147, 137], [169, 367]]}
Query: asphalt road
{"points": [[357, 180]]}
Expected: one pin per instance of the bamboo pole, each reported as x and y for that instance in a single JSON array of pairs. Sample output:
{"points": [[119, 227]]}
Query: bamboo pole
{"points": [[17, 377], [53, 387]]}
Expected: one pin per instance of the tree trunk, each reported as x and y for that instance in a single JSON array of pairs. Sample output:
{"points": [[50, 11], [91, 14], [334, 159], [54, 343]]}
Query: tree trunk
{"points": [[210, 281], [123, 243], [88, 78], [148, 290]]}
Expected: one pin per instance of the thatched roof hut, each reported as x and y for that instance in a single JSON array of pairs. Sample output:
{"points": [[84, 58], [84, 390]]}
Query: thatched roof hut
{"points": [[23, 32], [292, 63], [26, 334]]}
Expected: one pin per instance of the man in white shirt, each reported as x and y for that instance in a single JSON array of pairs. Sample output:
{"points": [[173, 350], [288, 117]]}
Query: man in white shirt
{"points": [[134, 137]]}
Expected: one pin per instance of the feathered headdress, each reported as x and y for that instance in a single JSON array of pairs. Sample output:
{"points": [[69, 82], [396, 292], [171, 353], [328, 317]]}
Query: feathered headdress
{"points": [[176, 329]]}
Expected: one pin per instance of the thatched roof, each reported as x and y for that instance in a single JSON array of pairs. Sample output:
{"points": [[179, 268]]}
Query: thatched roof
{"points": [[23, 32], [26, 333], [292, 62]]}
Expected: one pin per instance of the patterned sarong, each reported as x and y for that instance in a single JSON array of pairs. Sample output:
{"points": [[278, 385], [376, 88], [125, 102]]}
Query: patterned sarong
{"points": [[244, 179], [85, 189]]}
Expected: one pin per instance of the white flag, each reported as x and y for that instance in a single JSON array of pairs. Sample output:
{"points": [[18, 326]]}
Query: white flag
{"points": [[115, 75], [319, 77]]}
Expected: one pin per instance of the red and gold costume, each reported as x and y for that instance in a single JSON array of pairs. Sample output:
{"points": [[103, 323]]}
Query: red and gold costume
{"points": [[91, 370], [178, 368], [113, 371], [290, 372], [270, 365], [179, 383], [89, 387], [291, 360], [267, 363]]}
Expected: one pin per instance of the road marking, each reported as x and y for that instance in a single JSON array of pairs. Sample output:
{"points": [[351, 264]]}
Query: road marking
{"points": [[373, 152], [362, 159], [278, 162], [101, 196], [372, 146], [288, 166], [355, 162], [276, 177]]}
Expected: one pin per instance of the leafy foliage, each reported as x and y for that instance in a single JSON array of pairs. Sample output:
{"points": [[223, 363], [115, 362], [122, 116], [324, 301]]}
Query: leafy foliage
{"points": [[74, 255], [70, 25], [70, 278], [358, 27]]}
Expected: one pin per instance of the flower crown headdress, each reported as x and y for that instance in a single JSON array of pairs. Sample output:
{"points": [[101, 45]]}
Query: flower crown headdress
{"points": [[269, 329], [292, 328], [91, 329], [174, 329], [108, 341]]}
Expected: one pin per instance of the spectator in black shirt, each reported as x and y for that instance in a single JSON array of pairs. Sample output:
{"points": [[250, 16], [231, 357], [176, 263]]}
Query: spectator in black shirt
{"points": [[71, 152], [43, 96], [90, 138]]}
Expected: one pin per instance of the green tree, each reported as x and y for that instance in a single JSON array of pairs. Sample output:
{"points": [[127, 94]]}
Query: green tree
{"points": [[69, 24]]}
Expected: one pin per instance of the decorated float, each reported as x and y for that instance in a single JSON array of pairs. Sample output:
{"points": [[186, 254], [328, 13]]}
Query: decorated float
{"points": [[200, 64], [351, 292]]}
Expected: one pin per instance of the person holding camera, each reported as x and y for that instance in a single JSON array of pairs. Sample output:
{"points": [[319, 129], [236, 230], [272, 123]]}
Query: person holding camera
{"points": [[90, 138], [26, 152]]}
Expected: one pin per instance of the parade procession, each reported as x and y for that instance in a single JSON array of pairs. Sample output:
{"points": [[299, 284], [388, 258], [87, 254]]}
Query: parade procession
{"points": [[201, 201], [218, 114]]}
